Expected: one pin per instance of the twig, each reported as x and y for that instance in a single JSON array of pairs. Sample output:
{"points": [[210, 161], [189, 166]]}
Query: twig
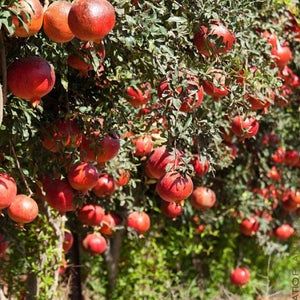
{"points": [[20, 169], [3, 94], [46, 4]]}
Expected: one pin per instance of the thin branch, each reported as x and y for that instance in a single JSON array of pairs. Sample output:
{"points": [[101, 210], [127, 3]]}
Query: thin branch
{"points": [[46, 4], [20, 169], [3, 94]]}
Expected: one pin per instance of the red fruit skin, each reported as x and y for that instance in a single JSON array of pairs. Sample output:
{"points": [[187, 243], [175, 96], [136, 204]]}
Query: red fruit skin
{"points": [[23, 209], [139, 221], [91, 214], [78, 63], [158, 162], [258, 104], [284, 232], [3, 245], [206, 46], [171, 209], [105, 186], [216, 92], [123, 179], [249, 226], [282, 55], [8, 190], [203, 198], [59, 195], [109, 223], [138, 97], [143, 146], [95, 243], [30, 78], [200, 228], [83, 177], [291, 158], [201, 166], [274, 174], [240, 276], [279, 155], [244, 128], [296, 196], [174, 187], [68, 241], [91, 20]]}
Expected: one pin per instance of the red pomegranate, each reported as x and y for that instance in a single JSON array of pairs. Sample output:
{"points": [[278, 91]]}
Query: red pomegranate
{"points": [[59, 194], [138, 97], [296, 196], [201, 165], [282, 54], [91, 214], [139, 221], [260, 103], [171, 209], [203, 198], [249, 226], [279, 155], [240, 276], [160, 159], [30, 78], [143, 145], [102, 150], [244, 127], [270, 139], [23, 209], [8, 190], [284, 232], [109, 223], [91, 20], [291, 158], [123, 179], [79, 63], [68, 241], [63, 133], [205, 39], [95, 243], [83, 176], [32, 13], [174, 187], [216, 88], [200, 228], [105, 186], [4, 244], [274, 174]]}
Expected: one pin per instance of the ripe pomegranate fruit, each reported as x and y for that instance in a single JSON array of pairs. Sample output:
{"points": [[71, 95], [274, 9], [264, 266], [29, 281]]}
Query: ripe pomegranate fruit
{"points": [[249, 226], [91, 214], [63, 133], [105, 186], [139, 221], [244, 127], [279, 155], [216, 88], [240, 276], [56, 25], [201, 166], [23, 209], [101, 150], [260, 103], [78, 63], [203, 198], [282, 55], [174, 187], [31, 12], [143, 145], [8, 190], [296, 196], [274, 174], [68, 241], [30, 78], [171, 209], [284, 232], [3, 245], [123, 179], [109, 223], [160, 159], [200, 228], [291, 158], [83, 176], [138, 97], [95, 243], [59, 194], [205, 39], [91, 20]]}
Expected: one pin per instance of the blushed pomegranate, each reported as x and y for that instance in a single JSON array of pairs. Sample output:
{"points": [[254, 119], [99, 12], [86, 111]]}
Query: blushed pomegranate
{"points": [[291, 158], [91, 214], [249, 226], [139, 221], [91, 20], [68, 241], [95, 243], [203, 198], [160, 159], [259, 103], [8, 190], [174, 187], [4, 244], [55, 24], [216, 87], [31, 12], [78, 63], [296, 196], [109, 223], [139, 96], [171, 209], [30, 78], [240, 276], [83, 176], [279, 155], [105, 186], [59, 194], [274, 174], [284, 232], [143, 145], [244, 127], [282, 55], [124, 177], [23, 209], [200, 228], [201, 165]]}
